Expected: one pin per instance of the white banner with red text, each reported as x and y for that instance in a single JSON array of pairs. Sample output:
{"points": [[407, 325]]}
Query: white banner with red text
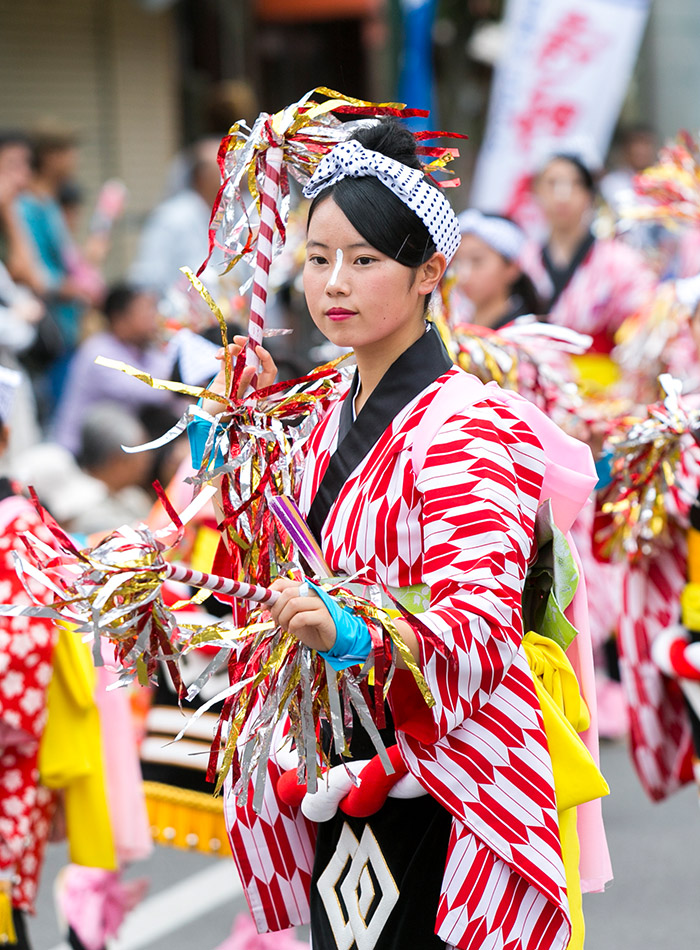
{"points": [[562, 79]]}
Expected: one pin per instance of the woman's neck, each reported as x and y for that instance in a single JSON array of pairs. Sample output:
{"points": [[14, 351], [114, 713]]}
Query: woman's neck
{"points": [[375, 359], [563, 243], [489, 313]]}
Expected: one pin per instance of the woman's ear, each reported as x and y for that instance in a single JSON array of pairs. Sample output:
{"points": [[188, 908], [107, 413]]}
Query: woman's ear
{"points": [[431, 272]]}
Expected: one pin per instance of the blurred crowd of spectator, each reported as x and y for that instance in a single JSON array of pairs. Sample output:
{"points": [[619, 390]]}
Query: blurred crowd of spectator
{"points": [[57, 314]]}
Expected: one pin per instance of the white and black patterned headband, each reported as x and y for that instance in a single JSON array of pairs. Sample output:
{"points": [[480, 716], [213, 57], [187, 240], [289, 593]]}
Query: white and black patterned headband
{"points": [[352, 160], [503, 236]]}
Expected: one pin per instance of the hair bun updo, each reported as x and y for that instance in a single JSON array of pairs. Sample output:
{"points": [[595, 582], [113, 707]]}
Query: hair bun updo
{"points": [[389, 137], [382, 219]]}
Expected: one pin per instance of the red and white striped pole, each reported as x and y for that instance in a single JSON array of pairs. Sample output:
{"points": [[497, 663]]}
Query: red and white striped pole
{"points": [[263, 259], [222, 585]]}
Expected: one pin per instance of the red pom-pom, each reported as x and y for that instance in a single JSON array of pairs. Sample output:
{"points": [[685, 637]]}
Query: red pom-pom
{"points": [[375, 785], [288, 789], [679, 662]]}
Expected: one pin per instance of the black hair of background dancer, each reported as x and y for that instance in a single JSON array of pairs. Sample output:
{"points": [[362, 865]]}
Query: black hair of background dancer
{"points": [[524, 288], [586, 175]]}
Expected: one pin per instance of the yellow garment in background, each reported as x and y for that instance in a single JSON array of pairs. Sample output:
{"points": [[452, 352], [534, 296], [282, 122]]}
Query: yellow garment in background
{"points": [[577, 779], [70, 755], [596, 373]]}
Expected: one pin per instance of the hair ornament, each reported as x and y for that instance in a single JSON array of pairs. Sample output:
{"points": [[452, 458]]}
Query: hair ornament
{"points": [[350, 159]]}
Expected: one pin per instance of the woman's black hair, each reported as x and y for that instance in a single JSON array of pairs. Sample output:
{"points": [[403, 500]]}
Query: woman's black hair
{"points": [[586, 175], [524, 292], [382, 219]]}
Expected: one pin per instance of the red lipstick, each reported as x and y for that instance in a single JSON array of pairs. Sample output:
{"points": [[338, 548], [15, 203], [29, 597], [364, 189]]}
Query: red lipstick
{"points": [[339, 313]]}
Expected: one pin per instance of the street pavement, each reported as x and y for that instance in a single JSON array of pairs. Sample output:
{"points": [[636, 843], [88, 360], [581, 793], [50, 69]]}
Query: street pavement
{"points": [[653, 904]]}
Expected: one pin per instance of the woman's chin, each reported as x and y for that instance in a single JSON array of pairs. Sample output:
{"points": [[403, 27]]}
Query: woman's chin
{"points": [[341, 335]]}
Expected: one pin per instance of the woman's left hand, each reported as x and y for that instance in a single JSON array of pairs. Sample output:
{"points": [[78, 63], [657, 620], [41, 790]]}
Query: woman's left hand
{"points": [[265, 376], [305, 617]]}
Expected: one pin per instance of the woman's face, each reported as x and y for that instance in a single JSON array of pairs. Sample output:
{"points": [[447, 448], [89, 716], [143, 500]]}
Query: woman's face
{"points": [[483, 275], [356, 295], [562, 194]]}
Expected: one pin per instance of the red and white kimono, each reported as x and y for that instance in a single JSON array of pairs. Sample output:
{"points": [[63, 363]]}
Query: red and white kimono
{"points": [[26, 648], [464, 527], [611, 283]]}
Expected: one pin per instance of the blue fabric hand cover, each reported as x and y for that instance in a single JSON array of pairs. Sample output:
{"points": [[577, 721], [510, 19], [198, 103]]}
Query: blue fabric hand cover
{"points": [[353, 642], [198, 430], [603, 467]]}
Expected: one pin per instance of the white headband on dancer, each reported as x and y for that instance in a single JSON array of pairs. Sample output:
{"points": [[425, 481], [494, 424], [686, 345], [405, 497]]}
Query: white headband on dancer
{"points": [[352, 160], [505, 237]]}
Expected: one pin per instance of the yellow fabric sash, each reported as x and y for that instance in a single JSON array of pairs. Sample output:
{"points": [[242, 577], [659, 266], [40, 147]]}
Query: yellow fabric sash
{"points": [[577, 779], [70, 754]]}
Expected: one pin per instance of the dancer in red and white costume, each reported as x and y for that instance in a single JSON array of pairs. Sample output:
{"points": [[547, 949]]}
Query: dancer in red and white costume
{"points": [[587, 284], [26, 650], [477, 861]]}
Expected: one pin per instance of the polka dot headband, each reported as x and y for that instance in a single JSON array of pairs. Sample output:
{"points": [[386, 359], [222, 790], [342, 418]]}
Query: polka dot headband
{"points": [[352, 160], [505, 237]]}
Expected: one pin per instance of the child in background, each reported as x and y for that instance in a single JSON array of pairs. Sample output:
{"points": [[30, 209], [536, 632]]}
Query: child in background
{"points": [[490, 287]]}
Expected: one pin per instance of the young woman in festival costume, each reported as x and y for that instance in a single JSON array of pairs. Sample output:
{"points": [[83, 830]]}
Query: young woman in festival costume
{"points": [[438, 504], [587, 284], [590, 285], [490, 287], [643, 516], [642, 520]]}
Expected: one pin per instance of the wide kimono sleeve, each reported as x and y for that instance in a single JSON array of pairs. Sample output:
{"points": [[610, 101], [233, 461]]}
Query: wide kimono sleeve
{"points": [[480, 485]]}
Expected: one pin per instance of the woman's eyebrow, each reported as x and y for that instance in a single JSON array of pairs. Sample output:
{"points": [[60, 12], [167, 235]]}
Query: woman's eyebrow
{"points": [[325, 246]]}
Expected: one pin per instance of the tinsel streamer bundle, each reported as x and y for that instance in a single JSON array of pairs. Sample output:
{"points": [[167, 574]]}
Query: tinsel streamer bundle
{"points": [[253, 453], [273, 675], [648, 459], [529, 357], [671, 188], [114, 591], [642, 339]]}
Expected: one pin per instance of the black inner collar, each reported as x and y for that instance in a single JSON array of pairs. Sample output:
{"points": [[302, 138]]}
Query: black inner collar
{"points": [[417, 367], [561, 276]]}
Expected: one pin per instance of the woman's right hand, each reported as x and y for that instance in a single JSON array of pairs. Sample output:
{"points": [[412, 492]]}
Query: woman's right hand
{"points": [[266, 376]]}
